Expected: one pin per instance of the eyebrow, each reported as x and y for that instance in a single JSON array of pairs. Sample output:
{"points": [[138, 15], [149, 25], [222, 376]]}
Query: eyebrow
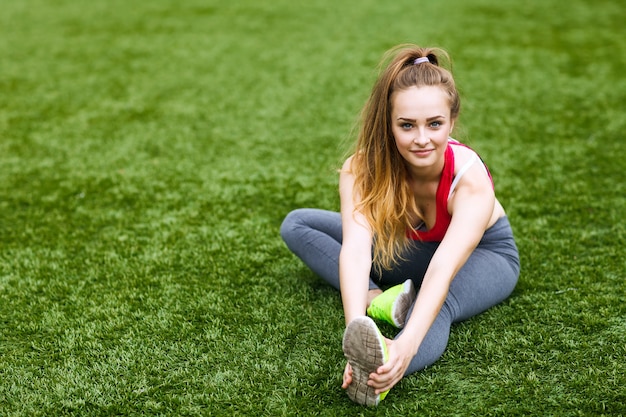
{"points": [[405, 119]]}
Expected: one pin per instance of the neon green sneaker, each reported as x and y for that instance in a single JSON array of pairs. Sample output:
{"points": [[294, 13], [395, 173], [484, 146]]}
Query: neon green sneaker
{"points": [[366, 350], [393, 305]]}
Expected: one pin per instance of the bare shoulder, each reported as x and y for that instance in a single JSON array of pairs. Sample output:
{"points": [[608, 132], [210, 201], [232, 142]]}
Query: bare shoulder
{"points": [[462, 155], [346, 174], [351, 217], [475, 182], [468, 161], [347, 165], [346, 178]]}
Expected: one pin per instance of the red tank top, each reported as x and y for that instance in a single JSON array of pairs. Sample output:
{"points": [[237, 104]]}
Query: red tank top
{"points": [[442, 216]]}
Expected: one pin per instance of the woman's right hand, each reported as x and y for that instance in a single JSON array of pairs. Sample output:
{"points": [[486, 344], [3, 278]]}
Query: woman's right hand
{"points": [[347, 376]]}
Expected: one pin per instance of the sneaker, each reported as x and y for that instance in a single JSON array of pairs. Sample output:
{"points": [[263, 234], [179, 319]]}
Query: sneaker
{"points": [[393, 305], [366, 350]]}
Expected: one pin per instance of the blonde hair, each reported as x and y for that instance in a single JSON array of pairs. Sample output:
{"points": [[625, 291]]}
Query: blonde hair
{"points": [[381, 173]]}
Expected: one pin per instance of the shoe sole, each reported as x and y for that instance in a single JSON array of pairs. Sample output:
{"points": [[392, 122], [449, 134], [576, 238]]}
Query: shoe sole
{"points": [[403, 303], [364, 348]]}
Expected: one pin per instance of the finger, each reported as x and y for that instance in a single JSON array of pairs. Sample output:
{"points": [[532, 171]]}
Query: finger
{"points": [[386, 367], [380, 380], [386, 380], [395, 376], [347, 380], [386, 387], [347, 376]]}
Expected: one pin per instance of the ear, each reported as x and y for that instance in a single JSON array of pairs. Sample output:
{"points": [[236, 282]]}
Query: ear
{"points": [[452, 125]]}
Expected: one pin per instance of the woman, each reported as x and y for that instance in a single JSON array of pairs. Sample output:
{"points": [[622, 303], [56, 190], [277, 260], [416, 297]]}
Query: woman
{"points": [[418, 211]]}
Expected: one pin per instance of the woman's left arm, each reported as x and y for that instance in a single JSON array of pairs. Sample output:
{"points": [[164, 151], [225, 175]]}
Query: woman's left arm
{"points": [[471, 207]]}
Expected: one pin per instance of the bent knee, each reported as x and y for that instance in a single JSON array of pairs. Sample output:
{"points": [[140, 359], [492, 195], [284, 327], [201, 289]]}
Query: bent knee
{"points": [[290, 223]]}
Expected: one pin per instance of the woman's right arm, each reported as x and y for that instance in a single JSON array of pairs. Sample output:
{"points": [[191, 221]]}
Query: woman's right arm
{"points": [[355, 259]]}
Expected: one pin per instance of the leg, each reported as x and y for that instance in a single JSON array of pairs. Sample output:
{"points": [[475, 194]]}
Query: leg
{"points": [[413, 265], [315, 236], [489, 275], [434, 344], [487, 278]]}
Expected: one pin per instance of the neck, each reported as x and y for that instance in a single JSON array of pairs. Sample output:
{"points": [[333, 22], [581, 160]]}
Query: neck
{"points": [[427, 174]]}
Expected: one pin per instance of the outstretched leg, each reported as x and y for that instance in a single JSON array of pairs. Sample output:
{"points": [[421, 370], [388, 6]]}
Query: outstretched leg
{"points": [[487, 278]]}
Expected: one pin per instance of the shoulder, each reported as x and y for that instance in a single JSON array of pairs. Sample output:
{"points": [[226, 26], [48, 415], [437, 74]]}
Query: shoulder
{"points": [[463, 154], [346, 176], [469, 169], [347, 165], [475, 187], [349, 197]]}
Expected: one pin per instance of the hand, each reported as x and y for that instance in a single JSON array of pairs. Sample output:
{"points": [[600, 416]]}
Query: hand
{"points": [[347, 376], [389, 374]]}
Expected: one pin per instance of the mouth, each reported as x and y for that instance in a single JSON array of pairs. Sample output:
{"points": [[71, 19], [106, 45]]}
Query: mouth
{"points": [[422, 152]]}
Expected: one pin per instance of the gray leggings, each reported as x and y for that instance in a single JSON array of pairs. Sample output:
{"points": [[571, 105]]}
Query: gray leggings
{"points": [[487, 278]]}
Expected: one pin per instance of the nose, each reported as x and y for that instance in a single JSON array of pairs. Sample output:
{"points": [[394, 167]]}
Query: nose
{"points": [[421, 139]]}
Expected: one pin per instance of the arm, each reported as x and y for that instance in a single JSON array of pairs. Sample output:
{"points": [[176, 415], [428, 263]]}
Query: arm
{"points": [[472, 207], [355, 259]]}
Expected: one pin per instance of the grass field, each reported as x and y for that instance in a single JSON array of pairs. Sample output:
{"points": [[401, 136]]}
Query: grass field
{"points": [[149, 151]]}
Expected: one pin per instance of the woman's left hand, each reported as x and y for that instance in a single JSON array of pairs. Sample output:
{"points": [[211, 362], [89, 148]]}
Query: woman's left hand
{"points": [[389, 374]]}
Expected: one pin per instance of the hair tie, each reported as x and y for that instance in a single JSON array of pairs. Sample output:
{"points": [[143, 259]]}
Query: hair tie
{"points": [[421, 60]]}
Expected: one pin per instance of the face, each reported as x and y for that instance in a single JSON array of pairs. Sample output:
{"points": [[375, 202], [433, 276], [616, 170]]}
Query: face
{"points": [[421, 125]]}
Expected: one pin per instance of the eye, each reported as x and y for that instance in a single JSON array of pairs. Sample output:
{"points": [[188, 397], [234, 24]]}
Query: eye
{"points": [[436, 124], [406, 126]]}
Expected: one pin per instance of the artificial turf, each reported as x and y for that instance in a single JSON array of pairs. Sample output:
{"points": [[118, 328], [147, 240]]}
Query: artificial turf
{"points": [[149, 151]]}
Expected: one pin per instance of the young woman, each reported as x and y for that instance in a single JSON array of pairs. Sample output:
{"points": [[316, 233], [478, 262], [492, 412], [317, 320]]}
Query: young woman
{"points": [[419, 218]]}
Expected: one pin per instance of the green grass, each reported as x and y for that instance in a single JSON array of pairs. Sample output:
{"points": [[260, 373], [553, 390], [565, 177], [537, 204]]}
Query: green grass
{"points": [[149, 151]]}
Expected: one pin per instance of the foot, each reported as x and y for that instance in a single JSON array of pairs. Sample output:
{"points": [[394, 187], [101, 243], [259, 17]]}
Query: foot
{"points": [[393, 305], [366, 350], [371, 294]]}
